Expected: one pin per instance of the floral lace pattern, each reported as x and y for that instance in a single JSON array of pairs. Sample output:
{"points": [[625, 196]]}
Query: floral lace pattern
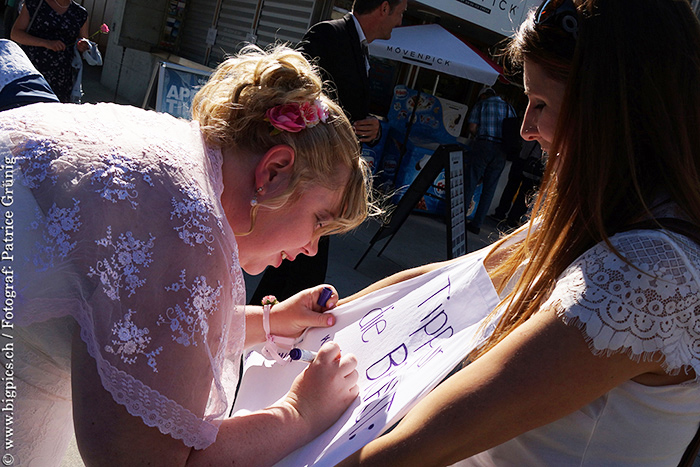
{"points": [[117, 178], [646, 307], [152, 407], [190, 319], [36, 161], [122, 268], [128, 200], [195, 212], [131, 342], [57, 226]]}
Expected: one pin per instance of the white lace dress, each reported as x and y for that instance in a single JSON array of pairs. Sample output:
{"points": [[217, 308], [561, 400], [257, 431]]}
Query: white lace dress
{"points": [[655, 308], [117, 230]]}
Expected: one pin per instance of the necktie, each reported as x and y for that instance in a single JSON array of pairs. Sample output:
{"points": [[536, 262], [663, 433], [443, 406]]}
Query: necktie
{"points": [[365, 53]]}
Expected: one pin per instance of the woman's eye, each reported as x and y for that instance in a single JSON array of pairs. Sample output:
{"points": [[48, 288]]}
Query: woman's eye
{"points": [[536, 104]]}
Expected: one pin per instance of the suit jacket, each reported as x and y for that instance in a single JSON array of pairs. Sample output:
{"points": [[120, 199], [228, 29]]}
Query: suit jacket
{"points": [[335, 46]]}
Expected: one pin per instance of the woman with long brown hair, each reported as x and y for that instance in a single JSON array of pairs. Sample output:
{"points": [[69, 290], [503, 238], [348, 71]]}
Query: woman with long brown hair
{"points": [[595, 355]]}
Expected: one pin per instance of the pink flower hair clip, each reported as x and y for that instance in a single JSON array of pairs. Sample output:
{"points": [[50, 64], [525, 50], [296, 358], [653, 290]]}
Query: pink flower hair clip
{"points": [[294, 117]]}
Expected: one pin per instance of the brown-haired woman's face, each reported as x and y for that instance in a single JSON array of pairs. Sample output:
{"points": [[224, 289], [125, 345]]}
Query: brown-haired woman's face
{"points": [[545, 96]]}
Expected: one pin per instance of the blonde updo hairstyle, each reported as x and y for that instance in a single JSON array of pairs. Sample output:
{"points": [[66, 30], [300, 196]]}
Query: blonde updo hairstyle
{"points": [[231, 110]]}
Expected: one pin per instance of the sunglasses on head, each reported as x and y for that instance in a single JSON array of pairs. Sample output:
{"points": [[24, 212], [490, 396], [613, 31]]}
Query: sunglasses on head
{"points": [[561, 14]]}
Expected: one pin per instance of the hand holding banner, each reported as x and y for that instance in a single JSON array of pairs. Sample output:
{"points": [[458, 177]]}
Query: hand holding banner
{"points": [[406, 337]]}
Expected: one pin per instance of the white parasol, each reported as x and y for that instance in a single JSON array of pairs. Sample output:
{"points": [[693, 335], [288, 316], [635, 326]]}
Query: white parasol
{"points": [[433, 47]]}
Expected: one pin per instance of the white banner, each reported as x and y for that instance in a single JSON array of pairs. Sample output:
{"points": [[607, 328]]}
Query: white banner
{"points": [[501, 16], [406, 337]]}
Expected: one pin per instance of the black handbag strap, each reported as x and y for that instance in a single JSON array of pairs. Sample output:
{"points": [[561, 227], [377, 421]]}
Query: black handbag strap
{"points": [[36, 12], [691, 453]]}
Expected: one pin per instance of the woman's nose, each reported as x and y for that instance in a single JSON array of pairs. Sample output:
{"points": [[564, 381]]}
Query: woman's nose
{"points": [[311, 248], [529, 128]]}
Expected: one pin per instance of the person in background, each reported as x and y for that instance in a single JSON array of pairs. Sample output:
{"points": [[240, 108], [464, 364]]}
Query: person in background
{"points": [[485, 159], [49, 30], [594, 354], [9, 16], [523, 179], [130, 230], [339, 47]]}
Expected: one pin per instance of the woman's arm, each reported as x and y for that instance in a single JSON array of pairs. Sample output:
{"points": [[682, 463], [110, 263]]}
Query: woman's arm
{"points": [[20, 35], [420, 270], [540, 373], [399, 277], [291, 317], [81, 41], [107, 433]]}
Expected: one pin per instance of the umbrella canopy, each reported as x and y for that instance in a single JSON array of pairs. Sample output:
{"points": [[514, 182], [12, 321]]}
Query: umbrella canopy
{"points": [[434, 47]]}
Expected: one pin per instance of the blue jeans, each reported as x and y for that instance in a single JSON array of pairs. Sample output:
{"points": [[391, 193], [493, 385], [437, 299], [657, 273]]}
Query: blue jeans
{"points": [[484, 161]]}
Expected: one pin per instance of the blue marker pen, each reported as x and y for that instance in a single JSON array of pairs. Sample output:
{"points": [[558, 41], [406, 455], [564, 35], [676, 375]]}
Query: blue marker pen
{"points": [[325, 295], [302, 354]]}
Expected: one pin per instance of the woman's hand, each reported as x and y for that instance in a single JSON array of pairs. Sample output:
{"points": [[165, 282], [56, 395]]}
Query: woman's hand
{"points": [[325, 389], [83, 45], [318, 397], [291, 317], [56, 46]]}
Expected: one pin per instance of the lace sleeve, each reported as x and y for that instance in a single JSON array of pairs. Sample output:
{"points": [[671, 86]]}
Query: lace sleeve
{"points": [[132, 241], [648, 306]]}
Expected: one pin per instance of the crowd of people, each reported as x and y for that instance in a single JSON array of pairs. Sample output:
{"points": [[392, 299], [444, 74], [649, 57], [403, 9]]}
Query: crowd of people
{"points": [[134, 228]]}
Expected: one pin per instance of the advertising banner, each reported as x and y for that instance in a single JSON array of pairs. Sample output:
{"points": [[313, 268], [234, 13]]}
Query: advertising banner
{"points": [[501, 16], [177, 86]]}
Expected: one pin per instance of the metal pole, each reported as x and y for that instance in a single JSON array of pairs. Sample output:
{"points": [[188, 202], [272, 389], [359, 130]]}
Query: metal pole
{"points": [[437, 80], [214, 23]]}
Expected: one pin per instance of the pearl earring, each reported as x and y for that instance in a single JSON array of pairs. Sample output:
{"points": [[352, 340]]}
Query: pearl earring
{"points": [[254, 201]]}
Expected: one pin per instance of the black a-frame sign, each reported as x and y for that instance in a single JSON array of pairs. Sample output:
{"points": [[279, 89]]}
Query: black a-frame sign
{"points": [[450, 158]]}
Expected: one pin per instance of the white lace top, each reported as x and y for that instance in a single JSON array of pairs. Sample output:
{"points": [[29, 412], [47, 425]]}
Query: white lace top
{"points": [[119, 225], [654, 307]]}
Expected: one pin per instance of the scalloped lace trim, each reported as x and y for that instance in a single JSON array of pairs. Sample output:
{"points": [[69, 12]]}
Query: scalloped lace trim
{"points": [[151, 406], [641, 312]]}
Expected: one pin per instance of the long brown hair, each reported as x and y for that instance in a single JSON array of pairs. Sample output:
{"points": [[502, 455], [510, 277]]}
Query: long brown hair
{"points": [[628, 135]]}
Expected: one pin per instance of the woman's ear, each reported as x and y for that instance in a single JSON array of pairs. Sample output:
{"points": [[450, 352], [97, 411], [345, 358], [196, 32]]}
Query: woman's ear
{"points": [[274, 170]]}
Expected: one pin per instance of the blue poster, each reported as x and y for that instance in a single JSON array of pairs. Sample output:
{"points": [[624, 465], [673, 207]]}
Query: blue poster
{"points": [[177, 86]]}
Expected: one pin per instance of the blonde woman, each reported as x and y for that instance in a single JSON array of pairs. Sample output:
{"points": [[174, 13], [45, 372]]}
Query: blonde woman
{"points": [[130, 231]]}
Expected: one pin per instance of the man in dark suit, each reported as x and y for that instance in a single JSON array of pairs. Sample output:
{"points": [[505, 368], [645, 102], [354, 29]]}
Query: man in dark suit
{"points": [[339, 47]]}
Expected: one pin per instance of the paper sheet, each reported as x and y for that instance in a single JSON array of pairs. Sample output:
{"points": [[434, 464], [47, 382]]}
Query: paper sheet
{"points": [[406, 337]]}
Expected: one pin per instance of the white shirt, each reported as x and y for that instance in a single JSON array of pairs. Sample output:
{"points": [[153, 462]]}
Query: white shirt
{"points": [[619, 308], [362, 36]]}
